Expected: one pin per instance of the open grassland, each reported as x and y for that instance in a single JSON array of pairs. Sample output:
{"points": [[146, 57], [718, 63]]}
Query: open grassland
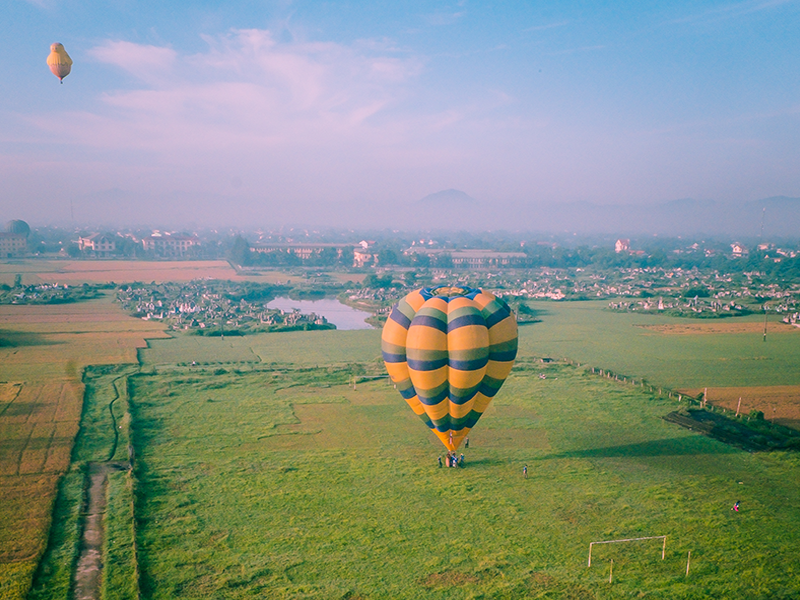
{"points": [[43, 350], [35, 271], [305, 348], [720, 354], [288, 483]]}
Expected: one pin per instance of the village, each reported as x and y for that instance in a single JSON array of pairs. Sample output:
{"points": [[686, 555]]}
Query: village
{"points": [[687, 278], [215, 307]]}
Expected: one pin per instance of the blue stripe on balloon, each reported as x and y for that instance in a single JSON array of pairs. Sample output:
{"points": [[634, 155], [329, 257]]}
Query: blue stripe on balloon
{"points": [[398, 317], [433, 400], [468, 365], [497, 316], [393, 358], [432, 322], [427, 365], [506, 356], [466, 320], [460, 400], [408, 393]]}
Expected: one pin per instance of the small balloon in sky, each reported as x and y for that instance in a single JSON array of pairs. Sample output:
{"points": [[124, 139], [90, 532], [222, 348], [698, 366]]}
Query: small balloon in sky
{"points": [[59, 61]]}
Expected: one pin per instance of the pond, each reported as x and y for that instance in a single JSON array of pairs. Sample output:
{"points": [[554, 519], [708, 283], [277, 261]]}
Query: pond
{"points": [[341, 315]]}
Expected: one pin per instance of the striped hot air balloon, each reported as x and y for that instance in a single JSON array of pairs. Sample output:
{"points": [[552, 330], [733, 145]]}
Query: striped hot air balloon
{"points": [[448, 350]]}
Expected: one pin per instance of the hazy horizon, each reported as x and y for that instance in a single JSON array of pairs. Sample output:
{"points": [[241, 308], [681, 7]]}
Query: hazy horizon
{"points": [[289, 112]]}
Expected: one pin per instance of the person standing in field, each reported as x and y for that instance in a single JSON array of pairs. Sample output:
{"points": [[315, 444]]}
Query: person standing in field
{"points": [[440, 462], [466, 443], [735, 507], [525, 472]]}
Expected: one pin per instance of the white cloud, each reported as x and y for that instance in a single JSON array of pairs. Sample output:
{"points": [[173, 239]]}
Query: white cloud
{"points": [[142, 61]]}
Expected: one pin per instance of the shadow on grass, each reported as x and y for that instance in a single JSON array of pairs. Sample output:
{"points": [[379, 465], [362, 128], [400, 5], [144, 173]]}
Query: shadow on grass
{"points": [[17, 339], [684, 446]]}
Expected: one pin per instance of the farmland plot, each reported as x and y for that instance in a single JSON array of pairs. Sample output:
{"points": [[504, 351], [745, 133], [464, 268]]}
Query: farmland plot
{"points": [[42, 354]]}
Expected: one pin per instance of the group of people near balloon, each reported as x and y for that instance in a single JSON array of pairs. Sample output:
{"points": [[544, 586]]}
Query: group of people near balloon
{"points": [[452, 460]]}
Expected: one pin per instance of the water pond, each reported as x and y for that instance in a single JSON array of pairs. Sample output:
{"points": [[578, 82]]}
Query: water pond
{"points": [[341, 315]]}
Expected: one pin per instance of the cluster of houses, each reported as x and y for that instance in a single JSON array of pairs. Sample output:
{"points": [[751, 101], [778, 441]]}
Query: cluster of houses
{"points": [[199, 305], [792, 319], [693, 305], [46, 293]]}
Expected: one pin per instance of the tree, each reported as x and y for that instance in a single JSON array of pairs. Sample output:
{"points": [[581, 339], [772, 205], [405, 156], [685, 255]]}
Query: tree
{"points": [[240, 251]]}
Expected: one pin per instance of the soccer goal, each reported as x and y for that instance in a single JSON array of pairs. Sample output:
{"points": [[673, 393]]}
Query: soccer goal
{"points": [[639, 539]]}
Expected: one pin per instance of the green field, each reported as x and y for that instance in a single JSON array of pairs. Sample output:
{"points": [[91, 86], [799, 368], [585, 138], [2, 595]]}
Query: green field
{"points": [[294, 485], [261, 472], [585, 332]]}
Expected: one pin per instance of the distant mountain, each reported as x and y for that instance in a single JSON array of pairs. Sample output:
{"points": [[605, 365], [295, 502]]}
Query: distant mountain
{"points": [[450, 198], [447, 209]]}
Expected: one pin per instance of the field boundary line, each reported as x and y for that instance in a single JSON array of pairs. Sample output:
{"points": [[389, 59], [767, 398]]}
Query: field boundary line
{"points": [[18, 385]]}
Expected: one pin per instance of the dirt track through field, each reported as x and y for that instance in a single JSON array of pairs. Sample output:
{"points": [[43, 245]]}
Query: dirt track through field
{"points": [[89, 571]]}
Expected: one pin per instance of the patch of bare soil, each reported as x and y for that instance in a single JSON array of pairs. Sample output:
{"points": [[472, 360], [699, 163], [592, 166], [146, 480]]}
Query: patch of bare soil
{"points": [[718, 326], [779, 403], [448, 579]]}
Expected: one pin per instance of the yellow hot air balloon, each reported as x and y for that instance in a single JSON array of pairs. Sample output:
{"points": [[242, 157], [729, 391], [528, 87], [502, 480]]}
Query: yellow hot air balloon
{"points": [[448, 350], [59, 61]]}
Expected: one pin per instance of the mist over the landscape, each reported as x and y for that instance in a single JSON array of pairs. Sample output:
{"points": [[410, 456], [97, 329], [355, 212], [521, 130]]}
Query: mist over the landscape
{"points": [[456, 210], [552, 118]]}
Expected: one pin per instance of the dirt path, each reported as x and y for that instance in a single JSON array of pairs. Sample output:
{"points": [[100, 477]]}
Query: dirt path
{"points": [[88, 574]]}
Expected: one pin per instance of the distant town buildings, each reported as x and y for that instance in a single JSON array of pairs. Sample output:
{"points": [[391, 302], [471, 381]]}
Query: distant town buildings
{"points": [[622, 245], [364, 254], [99, 245], [738, 249], [169, 245], [302, 251], [473, 259]]}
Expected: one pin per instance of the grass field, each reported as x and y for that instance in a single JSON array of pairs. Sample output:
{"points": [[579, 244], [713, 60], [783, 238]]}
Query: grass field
{"points": [[291, 484], [42, 352], [718, 354], [305, 348]]}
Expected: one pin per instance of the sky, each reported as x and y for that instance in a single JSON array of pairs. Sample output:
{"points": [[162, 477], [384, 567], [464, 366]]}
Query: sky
{"points": [[260, 113]]}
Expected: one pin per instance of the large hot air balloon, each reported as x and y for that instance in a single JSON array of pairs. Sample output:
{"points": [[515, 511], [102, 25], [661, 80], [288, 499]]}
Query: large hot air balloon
{"points": [[59, 61], [448, 350]]}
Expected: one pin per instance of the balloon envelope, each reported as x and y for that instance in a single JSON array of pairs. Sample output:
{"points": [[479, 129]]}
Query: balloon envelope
{"points": [[59, 61], [448, 350]]}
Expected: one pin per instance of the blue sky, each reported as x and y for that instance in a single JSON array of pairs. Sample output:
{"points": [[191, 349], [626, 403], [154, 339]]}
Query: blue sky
{"points": [[259, 112]]}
